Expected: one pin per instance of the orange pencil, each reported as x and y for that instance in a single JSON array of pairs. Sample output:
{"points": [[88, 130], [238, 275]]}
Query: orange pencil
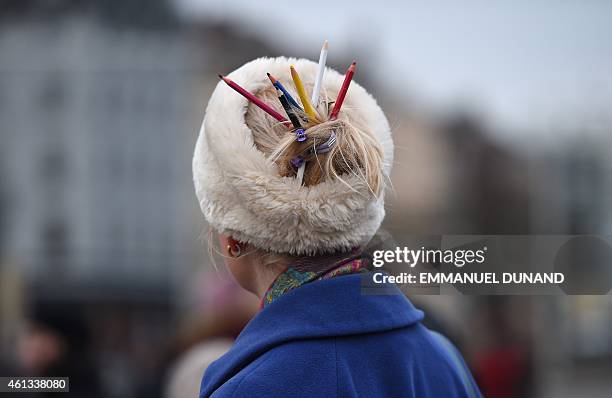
{"points": [[342, 93]]}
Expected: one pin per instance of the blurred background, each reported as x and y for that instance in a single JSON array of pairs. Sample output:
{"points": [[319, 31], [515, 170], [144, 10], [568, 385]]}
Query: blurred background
{"points": [[502, 120]]}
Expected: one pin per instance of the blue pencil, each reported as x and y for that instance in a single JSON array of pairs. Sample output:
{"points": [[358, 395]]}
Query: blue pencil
{"points": [[279, 86]]}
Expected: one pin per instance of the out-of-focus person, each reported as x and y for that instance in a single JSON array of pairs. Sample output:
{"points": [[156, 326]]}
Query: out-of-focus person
{"points": [[54, 343]]}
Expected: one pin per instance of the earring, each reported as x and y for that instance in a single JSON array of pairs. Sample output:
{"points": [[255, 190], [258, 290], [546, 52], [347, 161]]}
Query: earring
{"points": [[234, 250]]}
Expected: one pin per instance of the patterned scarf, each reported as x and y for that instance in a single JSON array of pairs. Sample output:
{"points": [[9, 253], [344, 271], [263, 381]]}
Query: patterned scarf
{"points": [[305, 271]]}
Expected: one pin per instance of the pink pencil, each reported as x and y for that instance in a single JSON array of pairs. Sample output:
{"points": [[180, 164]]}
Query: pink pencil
{"points": [[265, 107], [342, 93]]}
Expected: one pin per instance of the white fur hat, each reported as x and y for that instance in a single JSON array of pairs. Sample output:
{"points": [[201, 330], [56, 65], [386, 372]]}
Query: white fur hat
{"points": [[242, 194]]}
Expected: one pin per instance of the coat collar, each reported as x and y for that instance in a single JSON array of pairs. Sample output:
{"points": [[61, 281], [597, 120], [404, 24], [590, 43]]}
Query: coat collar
{"points": [[302, 314]]}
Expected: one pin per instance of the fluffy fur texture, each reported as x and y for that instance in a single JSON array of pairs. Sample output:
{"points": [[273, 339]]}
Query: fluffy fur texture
{"points": [[242, 194]]}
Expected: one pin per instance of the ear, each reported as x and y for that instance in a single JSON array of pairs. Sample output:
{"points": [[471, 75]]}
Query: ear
{"points": [[224, 240], [233, 242], [229, 241]]}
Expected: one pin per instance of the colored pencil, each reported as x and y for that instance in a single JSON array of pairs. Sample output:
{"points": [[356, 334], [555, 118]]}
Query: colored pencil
{"points": [[282, 88], [288, 109], [319, 79], [302, 94], [265, 107], [342, 93]]}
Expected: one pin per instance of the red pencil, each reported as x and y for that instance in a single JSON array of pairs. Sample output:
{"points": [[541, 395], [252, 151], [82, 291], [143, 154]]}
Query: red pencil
{"points": [[342, 93], [265, 107]]}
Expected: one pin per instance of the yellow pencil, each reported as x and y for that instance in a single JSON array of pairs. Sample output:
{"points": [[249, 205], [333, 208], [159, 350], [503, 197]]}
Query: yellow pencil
{"points": [[310, 111]]}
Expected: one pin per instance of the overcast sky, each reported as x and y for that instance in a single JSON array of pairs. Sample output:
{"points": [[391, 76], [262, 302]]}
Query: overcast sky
{"points": [[521, 62]]}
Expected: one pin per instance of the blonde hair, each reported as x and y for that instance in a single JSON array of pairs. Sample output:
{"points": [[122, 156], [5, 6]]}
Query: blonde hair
{"points": [[356, 150]]}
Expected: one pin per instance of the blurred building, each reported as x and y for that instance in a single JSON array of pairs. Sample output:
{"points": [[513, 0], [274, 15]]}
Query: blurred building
{"points": [[97, 189], [100, 106]]}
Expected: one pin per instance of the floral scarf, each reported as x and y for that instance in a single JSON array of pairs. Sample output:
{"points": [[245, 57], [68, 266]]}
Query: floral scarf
{"points": [[305, 271]]}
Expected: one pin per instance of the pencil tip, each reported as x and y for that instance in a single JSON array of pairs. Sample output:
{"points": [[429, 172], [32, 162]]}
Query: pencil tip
{"points": [[354, 63], [221, 77], [325, 45], [272, 79]]}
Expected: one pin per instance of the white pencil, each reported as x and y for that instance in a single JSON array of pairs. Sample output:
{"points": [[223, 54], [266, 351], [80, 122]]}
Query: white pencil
{"points": [[319, 78]]}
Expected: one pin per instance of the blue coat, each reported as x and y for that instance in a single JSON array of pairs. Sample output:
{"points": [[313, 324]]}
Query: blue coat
{"points": [[327, 339]]}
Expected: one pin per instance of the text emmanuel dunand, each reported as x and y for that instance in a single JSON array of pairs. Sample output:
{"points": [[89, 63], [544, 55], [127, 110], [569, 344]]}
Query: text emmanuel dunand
{"points": [[456, 258]]}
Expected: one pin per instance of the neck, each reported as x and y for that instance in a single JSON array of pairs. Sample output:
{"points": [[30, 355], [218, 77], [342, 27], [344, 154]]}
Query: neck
{"points": [[298, 274], [264, 276]]}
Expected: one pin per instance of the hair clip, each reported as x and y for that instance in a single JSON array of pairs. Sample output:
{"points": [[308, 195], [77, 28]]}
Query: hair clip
{"points": [[297, 161], [326, 146], [300, 135]]}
